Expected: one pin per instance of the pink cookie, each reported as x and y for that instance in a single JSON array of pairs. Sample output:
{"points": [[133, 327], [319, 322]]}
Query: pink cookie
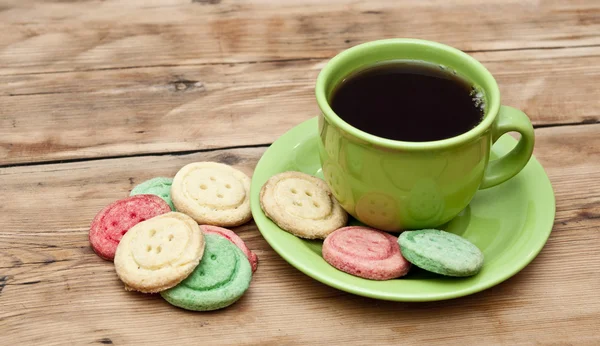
{"points": [[112, 222], [235, 239], [365, 252]]}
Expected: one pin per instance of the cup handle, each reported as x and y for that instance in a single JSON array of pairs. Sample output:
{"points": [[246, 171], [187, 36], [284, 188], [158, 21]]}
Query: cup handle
{"points": [[506, 167]]}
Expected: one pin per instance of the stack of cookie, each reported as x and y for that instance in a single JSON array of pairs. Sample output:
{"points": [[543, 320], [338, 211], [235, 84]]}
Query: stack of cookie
{"points": [[167, 237], [304, 206]]}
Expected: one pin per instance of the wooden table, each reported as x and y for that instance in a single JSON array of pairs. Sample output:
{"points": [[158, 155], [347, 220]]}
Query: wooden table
{"points": [[97, 96]]}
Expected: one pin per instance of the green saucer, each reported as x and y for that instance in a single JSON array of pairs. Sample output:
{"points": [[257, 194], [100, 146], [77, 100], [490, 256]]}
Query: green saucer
{"points": [[509, 223]]}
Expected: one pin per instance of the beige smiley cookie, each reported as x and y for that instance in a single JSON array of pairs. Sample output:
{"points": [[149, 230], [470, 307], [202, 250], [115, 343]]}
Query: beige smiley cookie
{"points": [[158, 253], [212, 193], [302, 205]]}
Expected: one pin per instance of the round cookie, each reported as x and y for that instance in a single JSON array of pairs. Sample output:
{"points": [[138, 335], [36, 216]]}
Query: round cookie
{"points": [[365, 252], [158, 186], [212, 193], [159, 253], [114, 220], [221, 278], [302, 205], [441, 252], [235, 239]]}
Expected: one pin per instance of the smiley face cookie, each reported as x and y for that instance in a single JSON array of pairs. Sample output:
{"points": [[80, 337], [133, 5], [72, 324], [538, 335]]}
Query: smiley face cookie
{"points": [[112, 222], [441, 252], [158, 253], [158, 186], [221, 278], [212, 193], [235, 239], [366, 253], [302, 205]]}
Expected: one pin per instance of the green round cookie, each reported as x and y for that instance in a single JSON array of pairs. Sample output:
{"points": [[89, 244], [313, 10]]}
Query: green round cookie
{"points": [[441, 252], [159, 186], [220, 279]]}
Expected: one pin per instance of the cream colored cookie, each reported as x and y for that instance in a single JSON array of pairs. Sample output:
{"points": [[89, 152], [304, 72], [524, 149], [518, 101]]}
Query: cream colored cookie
{"points": [[212, 193], [302, 205], [158, 253]]}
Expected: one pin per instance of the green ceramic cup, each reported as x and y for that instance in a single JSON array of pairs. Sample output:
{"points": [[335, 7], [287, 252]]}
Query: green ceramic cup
{"points": [[395, 185]]}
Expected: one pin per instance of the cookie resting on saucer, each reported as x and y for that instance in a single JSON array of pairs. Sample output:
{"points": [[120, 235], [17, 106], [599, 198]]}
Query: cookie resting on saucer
{"points": [[441, 252]]}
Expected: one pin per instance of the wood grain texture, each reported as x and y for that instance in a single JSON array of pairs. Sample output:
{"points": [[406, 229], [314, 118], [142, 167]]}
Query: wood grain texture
{"points": [[89, 79], [94, 114], [55, 291], [169, 82], [42, 36]]}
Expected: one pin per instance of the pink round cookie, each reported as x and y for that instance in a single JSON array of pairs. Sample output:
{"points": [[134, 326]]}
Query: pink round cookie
{"points": [[112, 222], [365, 252], [235, 239]]}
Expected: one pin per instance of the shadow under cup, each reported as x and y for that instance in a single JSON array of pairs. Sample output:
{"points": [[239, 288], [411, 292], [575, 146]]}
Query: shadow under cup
{"points": [[395, 185]]}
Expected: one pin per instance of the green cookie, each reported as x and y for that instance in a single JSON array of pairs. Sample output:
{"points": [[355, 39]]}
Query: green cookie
{"points": [[159, 186], [441, 252], [220, 279]]}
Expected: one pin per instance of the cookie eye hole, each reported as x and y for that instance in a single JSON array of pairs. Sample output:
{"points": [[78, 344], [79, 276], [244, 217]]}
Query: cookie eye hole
{"points": [[152, 233], [308, 193], [133, 215], [170, 237], [203, 187], [294, 191], [213, 257], [219, 195], [212, 179], [298, 203], [201, 273], [158, 249], [114, 223], [227, 186], [148, 248], [316, 204]]}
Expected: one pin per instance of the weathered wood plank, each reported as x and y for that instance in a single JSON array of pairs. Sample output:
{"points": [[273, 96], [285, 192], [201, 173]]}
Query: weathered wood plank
{"points": [[54, 290], [180, 108], [41, 36]]}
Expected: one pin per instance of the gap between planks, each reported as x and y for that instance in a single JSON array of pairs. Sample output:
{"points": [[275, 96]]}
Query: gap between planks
{"points": [[172, 153], [250, 62], [187, 152]]}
